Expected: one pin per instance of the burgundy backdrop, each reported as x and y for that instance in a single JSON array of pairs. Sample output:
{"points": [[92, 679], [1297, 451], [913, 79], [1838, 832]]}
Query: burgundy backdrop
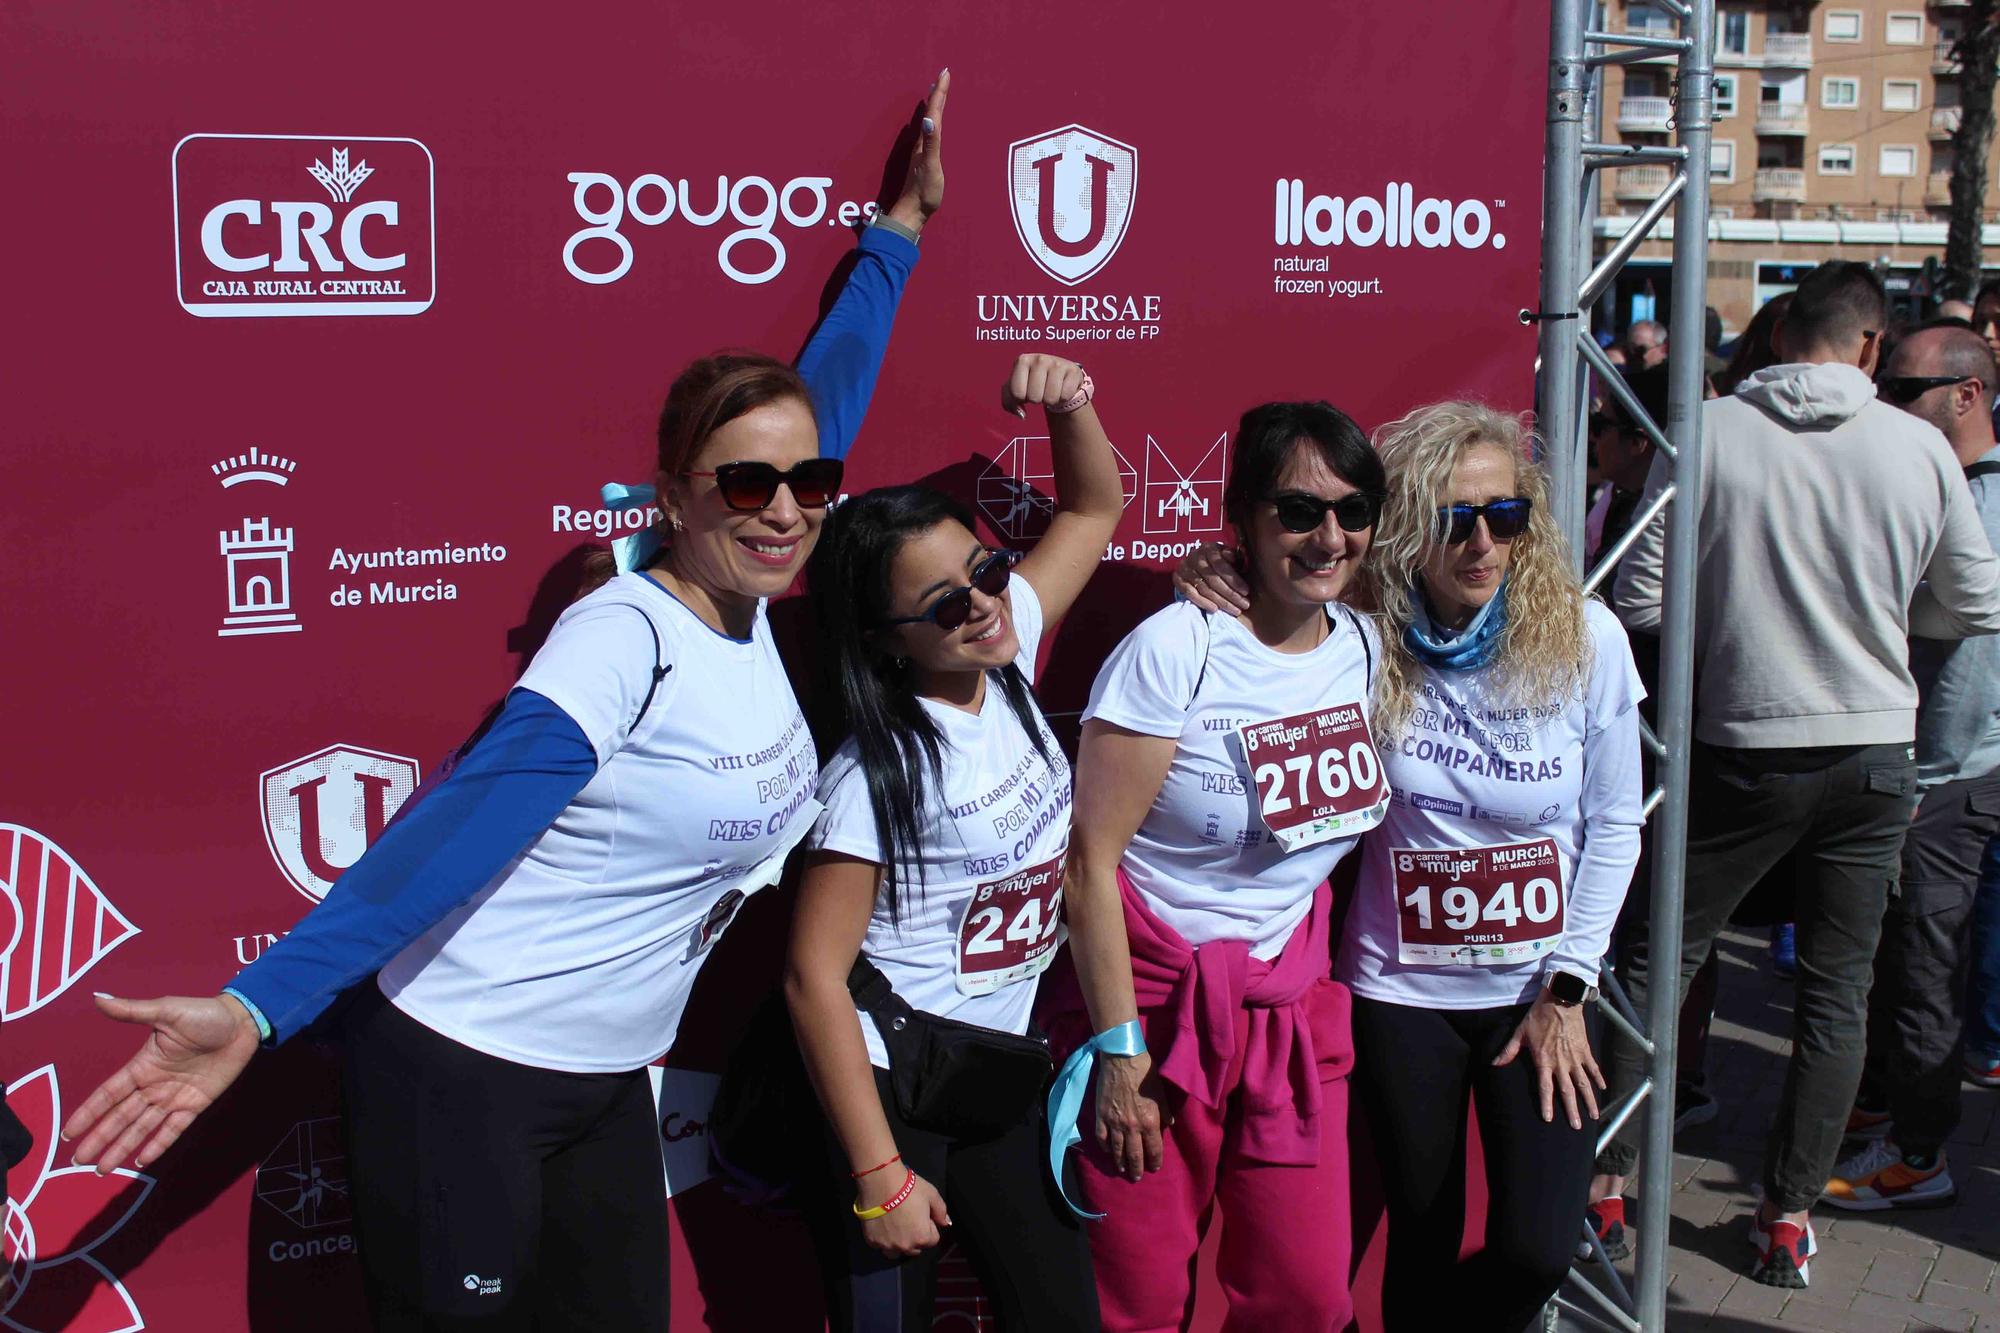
{"points": [[302, 286]]}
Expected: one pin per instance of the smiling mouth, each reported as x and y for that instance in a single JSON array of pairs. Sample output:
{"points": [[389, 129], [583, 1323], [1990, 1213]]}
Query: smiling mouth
{"points": [[774, 553], [990, 632]]}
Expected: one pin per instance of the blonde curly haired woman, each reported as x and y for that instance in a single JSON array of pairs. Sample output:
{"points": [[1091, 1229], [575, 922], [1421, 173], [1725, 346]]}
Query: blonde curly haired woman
{"points": [[1506, 712]]}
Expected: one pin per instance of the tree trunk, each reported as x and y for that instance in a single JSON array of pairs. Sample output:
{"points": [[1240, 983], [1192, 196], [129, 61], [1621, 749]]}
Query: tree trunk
{"points": [[1978, 53]]}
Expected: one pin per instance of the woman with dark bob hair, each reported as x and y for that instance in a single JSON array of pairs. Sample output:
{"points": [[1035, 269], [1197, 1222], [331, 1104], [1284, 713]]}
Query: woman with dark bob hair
{"points": [[932, 899], [1226, 767]]}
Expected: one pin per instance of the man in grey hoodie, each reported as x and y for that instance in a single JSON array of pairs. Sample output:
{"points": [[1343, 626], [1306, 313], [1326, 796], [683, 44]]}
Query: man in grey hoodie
{"points": [[1832, 526], [1909, 1100]]}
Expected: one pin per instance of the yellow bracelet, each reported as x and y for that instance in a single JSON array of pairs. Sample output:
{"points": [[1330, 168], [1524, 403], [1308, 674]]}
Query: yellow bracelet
{"points": [[909, 1188]]}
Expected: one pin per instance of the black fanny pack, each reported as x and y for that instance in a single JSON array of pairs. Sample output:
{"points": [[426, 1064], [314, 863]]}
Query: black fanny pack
{"points": [[952, 1078]]}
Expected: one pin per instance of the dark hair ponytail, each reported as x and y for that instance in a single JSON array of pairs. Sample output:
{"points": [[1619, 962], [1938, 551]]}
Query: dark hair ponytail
{"points": [[898, 743]]}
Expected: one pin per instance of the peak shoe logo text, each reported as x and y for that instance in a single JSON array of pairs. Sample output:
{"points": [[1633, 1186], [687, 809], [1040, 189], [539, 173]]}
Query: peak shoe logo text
{"points": [[268, 224]]}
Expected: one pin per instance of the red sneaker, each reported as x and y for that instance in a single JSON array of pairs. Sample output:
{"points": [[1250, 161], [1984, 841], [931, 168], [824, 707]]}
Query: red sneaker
{"points": [[1783, 1251], [1606, 1220], [1983, 1070]]}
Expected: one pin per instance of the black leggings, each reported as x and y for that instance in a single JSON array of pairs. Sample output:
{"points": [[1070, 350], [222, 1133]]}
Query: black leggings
{"points": [[1030, 1253], [496, 1196], [1414, 1069]]}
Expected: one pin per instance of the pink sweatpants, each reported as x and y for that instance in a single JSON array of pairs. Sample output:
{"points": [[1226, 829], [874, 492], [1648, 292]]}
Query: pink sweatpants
{"points": [[1286, 1239]]}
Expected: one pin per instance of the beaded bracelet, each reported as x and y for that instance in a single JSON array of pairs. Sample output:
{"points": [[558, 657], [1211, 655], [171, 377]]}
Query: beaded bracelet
{"points": [[901, 1196]]}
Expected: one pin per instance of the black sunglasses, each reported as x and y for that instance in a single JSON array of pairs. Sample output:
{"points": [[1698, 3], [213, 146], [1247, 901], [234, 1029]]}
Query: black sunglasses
{"points": [[1909, 388], [955, 607], [1299, 512], [749, 487], [1505, 520]]}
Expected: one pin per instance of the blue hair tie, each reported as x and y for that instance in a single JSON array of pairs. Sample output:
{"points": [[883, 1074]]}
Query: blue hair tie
{"points": [[640, 549], [1066, 1096]]}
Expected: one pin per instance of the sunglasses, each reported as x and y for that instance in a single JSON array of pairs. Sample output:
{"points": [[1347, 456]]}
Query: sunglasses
{"points": [[1299, 512], [955, 607], [1505, 520], [1909, 388], [748, 487]]}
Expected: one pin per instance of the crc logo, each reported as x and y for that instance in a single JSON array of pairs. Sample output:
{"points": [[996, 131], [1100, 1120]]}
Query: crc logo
{"points": [[1072, 191], [55, 924], [323, 811], [51, 1229], [272, 224], [305, 1176]]}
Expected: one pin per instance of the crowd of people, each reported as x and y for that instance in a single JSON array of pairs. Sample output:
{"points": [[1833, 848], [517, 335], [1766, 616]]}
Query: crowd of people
{"points": [[1360, 808]]}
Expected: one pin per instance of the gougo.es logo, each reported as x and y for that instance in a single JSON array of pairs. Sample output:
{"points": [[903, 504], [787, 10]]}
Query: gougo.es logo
{"points": [[754, 204]]}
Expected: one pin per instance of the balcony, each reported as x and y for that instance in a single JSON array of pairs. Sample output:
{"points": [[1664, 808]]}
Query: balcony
{"points": [[1943, 60], [1640, 183], [1937, 190], [1945, 121], [1788, 50], [1781, 118], [1779, 185], [1951, 4], [1646, 113]]}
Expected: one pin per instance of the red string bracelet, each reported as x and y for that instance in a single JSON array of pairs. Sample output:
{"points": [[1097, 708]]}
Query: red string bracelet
{"points": [[856, 1175]]}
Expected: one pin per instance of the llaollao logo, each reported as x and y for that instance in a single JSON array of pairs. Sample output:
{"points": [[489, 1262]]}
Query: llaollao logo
{"points": [[1072, 191], [55, 1223]]}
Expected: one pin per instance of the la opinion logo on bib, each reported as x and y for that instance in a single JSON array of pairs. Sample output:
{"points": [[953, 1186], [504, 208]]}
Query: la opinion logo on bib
{"points": [[1072, 191]]}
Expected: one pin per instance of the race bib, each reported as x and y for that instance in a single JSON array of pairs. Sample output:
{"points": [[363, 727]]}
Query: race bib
{"points": [[1317, 775], [1011, 929], [1478, 906]]}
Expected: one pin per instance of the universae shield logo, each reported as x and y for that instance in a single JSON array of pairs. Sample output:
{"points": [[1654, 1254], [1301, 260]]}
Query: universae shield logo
{"points": [[322, 811], [1072, 191], [277, 225]]}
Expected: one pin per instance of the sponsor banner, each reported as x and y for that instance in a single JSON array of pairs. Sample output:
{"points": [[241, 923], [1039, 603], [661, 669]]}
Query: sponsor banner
{"points": [[336, 330]]}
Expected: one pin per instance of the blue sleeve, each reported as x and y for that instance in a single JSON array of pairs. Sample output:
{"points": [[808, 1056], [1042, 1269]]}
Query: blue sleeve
{"points": [[499, 799], [845, 354]]}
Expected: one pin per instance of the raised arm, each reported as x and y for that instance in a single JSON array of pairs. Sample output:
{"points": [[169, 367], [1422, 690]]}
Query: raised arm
{"points": [[1089, 495], [844, 355], [1119, 773]]}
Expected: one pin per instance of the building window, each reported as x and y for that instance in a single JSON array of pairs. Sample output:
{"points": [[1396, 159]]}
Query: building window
{"points": [[1835, 92], [1900, 94], [1721, 214], [1836, 159], [1843, 25], [1904, 29], [1722, 160], [1645, 18], [1898, 160], [1732, 33], [1898, 215], [1725, 96]]}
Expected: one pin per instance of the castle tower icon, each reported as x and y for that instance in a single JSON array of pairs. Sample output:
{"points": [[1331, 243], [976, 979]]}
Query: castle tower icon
{"points": [[259, 559]]}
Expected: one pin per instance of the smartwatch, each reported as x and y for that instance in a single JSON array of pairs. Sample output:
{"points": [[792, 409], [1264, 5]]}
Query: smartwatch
{"points": [[1568, 989]]}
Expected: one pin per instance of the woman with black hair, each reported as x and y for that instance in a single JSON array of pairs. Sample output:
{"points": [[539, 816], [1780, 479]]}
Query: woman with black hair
{"points": [[934, 889], [1226, 768]]}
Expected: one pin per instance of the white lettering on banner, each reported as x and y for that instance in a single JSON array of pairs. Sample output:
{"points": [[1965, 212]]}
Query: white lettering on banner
{"points": [[237, 213], [754, 203], [601, 522], [1395, 219]]}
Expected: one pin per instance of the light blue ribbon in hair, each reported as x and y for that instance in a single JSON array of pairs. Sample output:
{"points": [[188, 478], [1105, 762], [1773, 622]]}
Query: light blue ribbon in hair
{"points": [[637, 551], [1066, 1096]]}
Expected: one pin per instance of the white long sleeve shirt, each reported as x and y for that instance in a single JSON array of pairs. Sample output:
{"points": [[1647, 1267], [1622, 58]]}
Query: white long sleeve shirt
{"points": [[1510, 839]]}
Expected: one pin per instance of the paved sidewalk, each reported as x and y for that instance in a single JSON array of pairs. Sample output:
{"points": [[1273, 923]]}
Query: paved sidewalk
{"points": [[1875, 1273]]}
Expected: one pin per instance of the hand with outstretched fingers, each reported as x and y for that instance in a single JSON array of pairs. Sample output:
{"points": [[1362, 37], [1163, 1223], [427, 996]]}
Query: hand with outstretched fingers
{"points": [[911, 1227], [1556, 1041], [1040, 379], [923, 187], [1129, 1116], [195, 1050], [1209, 578]]}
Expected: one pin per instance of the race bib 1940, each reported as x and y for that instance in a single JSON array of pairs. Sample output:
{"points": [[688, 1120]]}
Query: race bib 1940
{"points": [[1479, 906], [1011, 929], [1317, 775]]}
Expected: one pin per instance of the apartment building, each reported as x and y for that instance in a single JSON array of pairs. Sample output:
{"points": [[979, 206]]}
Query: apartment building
{"points": [[1832, 138]]}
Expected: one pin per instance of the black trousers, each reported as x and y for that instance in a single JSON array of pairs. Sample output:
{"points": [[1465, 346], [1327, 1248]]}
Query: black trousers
{"points": [[1029, 1251], [1414, 1069], [1916, 1011], [1842, 812], [495, 1196]]}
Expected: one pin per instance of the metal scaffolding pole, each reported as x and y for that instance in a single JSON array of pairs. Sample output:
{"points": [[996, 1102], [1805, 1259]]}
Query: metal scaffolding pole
{"points": [[1576, 52]]}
